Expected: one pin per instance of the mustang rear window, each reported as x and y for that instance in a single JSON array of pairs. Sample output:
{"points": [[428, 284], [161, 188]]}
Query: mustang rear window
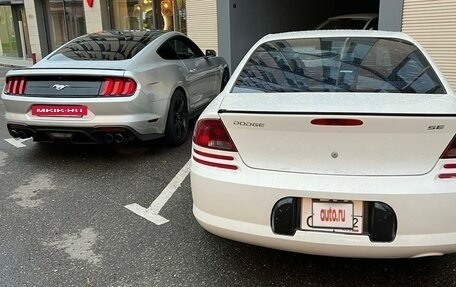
{"points": [[356, 64], [106, 46]]}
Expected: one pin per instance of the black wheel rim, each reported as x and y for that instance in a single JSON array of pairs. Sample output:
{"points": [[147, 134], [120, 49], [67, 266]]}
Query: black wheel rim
{"points": [[180, 118]]}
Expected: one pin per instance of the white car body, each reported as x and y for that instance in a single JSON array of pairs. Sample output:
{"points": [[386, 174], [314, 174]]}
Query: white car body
{"points": [[391, 161]]}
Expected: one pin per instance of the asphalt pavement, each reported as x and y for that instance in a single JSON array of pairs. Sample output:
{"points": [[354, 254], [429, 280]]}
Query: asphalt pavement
{"points": [[63, 222]]}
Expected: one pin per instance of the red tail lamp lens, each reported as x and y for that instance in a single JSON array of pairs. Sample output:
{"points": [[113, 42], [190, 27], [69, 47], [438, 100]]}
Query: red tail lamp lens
{"points": [[129, 88], [15, 86], [118, 87], [450, 151], [211, 133], [337, 122], [447, 176]]}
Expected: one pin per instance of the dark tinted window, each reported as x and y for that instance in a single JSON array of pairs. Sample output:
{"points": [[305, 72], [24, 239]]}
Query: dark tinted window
{"points": [[167, 52], [106, 46], [339, 65], [179, 48], [185, 49]]}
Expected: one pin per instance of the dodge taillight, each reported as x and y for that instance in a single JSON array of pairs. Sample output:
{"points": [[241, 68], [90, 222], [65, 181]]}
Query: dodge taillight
{"points": [[450, 151], [15, 85], [118, 87], [212, 135], [449, 169]]}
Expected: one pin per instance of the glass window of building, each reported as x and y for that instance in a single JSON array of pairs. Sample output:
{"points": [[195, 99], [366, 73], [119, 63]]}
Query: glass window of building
{"points": [[8, 41], [148, 15], [66, 20], [14, 38]]}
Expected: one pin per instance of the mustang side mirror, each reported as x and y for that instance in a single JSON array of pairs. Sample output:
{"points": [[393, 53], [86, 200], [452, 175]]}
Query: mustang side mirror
{"points": [[211, 53]]}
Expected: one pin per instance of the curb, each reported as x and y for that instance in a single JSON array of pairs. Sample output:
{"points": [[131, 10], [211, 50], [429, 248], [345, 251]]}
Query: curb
{"points": [[13, 66]]}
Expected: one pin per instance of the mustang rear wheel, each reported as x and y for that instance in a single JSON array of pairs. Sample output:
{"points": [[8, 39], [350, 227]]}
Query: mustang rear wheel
{"points": [[177, 121]]}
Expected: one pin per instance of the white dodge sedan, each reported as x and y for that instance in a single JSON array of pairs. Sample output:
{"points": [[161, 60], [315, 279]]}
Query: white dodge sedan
{"points": [[331, 143]]}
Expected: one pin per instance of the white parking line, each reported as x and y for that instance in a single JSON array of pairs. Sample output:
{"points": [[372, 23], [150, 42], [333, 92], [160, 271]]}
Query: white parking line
{"points": [[17, 142], [151, 213]]}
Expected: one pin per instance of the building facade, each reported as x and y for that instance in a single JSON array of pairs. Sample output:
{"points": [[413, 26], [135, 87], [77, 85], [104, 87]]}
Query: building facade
{"points": [[227, 26], [14, 35], [433, 24]]}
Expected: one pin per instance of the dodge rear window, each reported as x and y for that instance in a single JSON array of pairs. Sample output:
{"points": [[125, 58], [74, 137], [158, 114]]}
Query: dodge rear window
{"points": [[106, 46], [339, 65]]}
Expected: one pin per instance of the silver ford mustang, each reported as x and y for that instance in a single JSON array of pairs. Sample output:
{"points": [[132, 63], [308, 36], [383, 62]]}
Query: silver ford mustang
{"points": [[114, 87]]}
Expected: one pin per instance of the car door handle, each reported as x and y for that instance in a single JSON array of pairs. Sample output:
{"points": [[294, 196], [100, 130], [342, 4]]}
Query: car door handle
{"points": [[192, 70]]}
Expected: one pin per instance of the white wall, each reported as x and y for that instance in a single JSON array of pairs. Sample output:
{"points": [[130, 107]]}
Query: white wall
{"points": [[202, 23], [32, 24], [433, 25], [93, 17]]}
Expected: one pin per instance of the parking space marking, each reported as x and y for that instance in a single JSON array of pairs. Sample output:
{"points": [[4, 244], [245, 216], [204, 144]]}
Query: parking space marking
{"points": [[151, 213], [17, 142]]}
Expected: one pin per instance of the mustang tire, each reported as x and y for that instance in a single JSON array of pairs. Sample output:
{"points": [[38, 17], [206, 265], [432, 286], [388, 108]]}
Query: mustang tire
{"points": [[177, 121]]}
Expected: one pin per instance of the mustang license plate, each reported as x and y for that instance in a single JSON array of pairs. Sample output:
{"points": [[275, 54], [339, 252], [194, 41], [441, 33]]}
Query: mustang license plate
{"points": [[332, 215], [59, 111]]}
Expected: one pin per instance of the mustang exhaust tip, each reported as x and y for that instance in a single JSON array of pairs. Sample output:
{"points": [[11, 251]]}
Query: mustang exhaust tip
{"points": [[14, 134], [109, 138], [22, 134], [119, 138]]}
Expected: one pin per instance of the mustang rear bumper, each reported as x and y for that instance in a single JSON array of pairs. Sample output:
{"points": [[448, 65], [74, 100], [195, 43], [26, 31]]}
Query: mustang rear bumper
{"points": [[78, 135], [136, 116]]}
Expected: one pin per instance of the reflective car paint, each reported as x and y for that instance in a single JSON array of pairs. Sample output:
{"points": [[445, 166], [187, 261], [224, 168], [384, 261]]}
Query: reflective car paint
{"points": [[263, 188], [145, 112]]}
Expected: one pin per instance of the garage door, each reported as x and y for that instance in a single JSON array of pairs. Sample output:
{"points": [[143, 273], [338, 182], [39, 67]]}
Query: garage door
{"points": [[202, 23], [433, 24]]}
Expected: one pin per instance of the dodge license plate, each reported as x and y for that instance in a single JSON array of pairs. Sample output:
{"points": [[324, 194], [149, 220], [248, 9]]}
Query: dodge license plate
{"points": [[332, 215]]}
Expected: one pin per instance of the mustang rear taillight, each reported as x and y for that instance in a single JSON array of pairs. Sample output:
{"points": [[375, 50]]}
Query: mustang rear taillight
{"points": [[15, 85], [450, 151], [118, 87], [211, 133]]}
